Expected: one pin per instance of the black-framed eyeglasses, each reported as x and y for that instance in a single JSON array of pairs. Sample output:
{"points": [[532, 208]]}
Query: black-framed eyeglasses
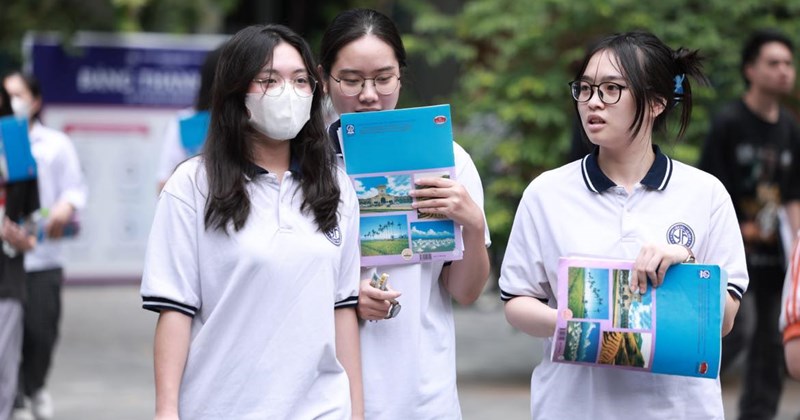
{"points": [[609, 92], [385, 84], [273, 85]]}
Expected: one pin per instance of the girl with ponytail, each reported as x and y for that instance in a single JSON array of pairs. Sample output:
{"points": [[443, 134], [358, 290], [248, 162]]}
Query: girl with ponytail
{"points": [[625, 200]]}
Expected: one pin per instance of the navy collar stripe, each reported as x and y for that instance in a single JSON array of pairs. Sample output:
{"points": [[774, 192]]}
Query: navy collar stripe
{"points": [[657, 177]]}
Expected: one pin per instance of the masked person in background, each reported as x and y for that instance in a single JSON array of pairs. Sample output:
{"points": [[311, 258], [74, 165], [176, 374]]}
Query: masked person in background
{"points": [[62, 192], [18, 200]]}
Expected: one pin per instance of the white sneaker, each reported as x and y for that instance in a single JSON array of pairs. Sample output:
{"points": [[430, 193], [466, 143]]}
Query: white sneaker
{"points": [[23, 413], [42, 405]]}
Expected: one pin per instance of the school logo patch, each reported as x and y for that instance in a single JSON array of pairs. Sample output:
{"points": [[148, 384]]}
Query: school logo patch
{"points": [[680, 234], [334, 235]]}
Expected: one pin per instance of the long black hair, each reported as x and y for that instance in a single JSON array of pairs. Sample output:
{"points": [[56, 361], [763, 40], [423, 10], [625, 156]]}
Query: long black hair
{"points": [[353, 24], [207, 71], [228, 150], [654, 72], [5, 102]]}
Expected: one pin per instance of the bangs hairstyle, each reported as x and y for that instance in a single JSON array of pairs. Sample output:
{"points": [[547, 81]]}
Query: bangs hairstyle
{"points": [[353, 24], [228, 151], [650, 68]]}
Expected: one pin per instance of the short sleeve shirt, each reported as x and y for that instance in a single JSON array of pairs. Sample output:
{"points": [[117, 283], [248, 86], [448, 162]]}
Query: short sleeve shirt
{"points": [[261, 299], [577, 210]]}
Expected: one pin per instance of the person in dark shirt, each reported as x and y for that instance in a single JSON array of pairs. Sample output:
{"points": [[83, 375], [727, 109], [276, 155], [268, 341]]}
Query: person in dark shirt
{"points": [[753, 148]]}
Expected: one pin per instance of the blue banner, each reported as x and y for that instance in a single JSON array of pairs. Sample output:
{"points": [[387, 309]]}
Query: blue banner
{"points": [[152, 71]]}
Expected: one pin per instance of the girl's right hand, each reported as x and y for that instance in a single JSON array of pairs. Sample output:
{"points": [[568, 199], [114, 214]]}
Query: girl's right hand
{"points": [[373, 303]]}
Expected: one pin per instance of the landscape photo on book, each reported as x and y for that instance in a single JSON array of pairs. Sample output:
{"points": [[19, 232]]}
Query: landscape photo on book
{"points": [[626, 348], [384, 193], [582, 343], [588, 293], [384, 235], [631, 310], [433, 236]]}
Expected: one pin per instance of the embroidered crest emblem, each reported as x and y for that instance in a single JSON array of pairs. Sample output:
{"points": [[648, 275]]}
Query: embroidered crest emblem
{"points": [[350, 129], [680, 234], [334, 235]]}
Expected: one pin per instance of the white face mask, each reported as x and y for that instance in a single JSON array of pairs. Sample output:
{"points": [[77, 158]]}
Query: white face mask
{"points": [[278, 117], [21, 107]]}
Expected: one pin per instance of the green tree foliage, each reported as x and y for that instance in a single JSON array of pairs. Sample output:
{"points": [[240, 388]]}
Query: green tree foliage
{"points": [[516, 57], [67, 16]]}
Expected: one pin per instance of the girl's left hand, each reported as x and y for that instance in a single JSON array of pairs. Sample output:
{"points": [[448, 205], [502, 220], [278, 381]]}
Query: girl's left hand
{"points": [[448, 197], [653, 262]]}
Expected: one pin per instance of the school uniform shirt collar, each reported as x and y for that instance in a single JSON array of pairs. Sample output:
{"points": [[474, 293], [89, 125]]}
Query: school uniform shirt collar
{"points": [[656, 178], [252, 170]]}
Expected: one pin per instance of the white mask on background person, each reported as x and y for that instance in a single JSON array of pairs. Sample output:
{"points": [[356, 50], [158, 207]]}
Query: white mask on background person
{"points": [[279, 117], [20, 107]]}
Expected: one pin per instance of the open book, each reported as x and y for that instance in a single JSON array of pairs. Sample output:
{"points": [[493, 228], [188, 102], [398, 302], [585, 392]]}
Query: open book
{"points": [[674, 329], [384, 153], [16, 160]]}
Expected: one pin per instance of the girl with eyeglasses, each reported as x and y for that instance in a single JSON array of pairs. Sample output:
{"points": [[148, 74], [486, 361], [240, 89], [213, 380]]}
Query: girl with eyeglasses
{"points": [[625, 200], [253, 259], [408, 360]]}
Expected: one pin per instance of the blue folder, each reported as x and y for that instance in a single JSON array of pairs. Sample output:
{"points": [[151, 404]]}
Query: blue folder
{"points": [[15, 150]]}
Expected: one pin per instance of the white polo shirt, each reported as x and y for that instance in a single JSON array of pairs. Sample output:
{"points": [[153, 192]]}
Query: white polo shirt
{"points": [[409, 362], [577, 210], [262, 299], [60, 179]]}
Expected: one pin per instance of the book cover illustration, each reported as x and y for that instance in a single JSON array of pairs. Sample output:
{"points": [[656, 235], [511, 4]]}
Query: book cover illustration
{"points": [[674, 329], [193, 130], [384, 153], [16, 159]]}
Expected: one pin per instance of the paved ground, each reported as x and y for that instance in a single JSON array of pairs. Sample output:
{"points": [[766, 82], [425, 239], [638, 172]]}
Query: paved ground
{"points": [[103, 367]]}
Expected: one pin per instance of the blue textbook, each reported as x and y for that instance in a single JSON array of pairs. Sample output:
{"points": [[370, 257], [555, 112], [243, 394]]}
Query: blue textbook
{"points": [[16, 160], [384, 153], [193, 131], [675, 329]]}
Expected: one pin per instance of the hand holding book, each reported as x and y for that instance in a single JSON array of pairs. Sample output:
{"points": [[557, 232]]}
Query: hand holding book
{"points": [[652, 263]]}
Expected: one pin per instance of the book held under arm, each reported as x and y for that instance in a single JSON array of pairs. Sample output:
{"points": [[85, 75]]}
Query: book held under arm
{"points": [[384, 153], [673, 329]]}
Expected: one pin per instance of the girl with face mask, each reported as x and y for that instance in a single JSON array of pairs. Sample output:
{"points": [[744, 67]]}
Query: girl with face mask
{"points": [[625, 200], [253, 257], [63, 192], [409, 360]]}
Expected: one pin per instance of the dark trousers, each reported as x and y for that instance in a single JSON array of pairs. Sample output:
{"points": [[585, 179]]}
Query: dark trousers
{"points": [[42, 314], [756, 330]]}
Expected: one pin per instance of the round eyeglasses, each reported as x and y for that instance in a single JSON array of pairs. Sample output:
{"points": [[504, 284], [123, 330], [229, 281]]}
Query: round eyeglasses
{"points": [[608, 92], [385, 84], [274, 84]]}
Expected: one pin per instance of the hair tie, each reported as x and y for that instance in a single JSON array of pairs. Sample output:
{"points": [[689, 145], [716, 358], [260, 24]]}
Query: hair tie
{"points": [[679, 84]]}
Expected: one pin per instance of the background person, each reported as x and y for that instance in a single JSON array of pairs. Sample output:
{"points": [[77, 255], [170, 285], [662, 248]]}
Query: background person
{"points": [[173, 151], [62, 191], [754, 149], [621, 201], [18, 200], [408, 361]]}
